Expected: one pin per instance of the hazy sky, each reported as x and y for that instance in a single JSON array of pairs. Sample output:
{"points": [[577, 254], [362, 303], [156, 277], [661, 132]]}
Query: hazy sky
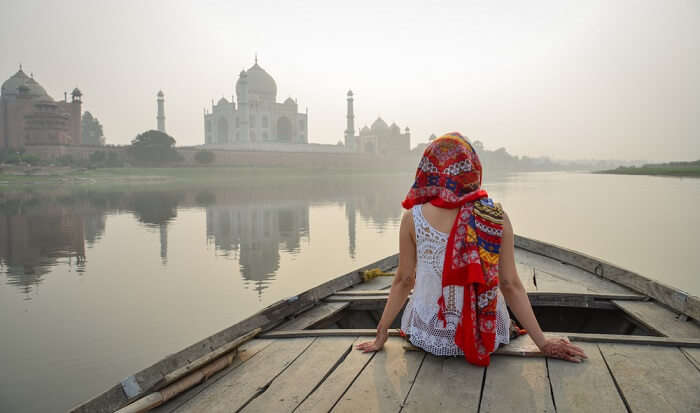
{"points": [[580, 79]]}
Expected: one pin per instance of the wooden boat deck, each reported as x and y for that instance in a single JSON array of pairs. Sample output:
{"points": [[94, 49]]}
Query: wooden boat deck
{"points": [[303, 358], [313, 371]]}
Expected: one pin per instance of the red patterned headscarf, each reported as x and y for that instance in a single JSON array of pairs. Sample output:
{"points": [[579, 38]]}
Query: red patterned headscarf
{"points": [[449, 176]]}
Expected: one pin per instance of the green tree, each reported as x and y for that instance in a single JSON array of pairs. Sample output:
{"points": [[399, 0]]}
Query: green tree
{"points": [[204, 157], [153, 148], [91, 130]]}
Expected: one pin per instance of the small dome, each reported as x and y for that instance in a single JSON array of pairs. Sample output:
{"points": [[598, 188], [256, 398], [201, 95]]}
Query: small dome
{"points": [[160, 94], [379, 125], [76, 92], [350, 93], [222, 101], [259, 83], [364, 131], [395, 128], [289, 101], [34, 89]]}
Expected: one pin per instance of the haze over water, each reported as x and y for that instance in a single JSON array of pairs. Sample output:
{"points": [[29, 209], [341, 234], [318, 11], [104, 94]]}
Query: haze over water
{"points": [[98, 284]]}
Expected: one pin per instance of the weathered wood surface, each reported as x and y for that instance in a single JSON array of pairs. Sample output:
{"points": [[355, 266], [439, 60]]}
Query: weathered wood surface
{"points": [[521, 341], [693, 355], [377, 283], [316, 315], [586, 386], [147, 379], [670, 296], [445, 384], [292, 386], [242, 384], [245, 352], [546, 268], [328, 393], [376, 302], [654, 379], [527, 276], [659, 319], [384, 383], [517, 384]]}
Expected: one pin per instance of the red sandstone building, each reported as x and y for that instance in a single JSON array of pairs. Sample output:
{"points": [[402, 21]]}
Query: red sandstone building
{"points": [[29, 116]]}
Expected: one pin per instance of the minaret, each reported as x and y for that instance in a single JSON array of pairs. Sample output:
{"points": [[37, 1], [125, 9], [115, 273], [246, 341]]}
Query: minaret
{"points": [[243, 109], [161, 111], [75, 114], [350, 129]]}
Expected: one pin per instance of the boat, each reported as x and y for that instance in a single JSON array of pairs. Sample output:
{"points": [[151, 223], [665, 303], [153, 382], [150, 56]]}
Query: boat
{"points": [[642, 339]]}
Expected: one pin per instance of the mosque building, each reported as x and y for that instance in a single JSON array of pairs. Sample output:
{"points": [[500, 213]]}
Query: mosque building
{"points": [[255, 116], [379, 139], [29, 116]]}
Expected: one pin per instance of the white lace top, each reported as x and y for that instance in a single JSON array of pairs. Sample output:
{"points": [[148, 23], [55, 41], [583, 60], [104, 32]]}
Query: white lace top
{"points": [[419, 319]]}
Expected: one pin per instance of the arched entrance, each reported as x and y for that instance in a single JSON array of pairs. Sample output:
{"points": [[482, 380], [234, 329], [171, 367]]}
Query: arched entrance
{"points": [[284, 129], [222, 131]]}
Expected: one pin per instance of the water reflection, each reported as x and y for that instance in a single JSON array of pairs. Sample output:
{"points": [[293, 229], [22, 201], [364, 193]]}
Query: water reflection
{"points": [[256, 233], [251, 225]]}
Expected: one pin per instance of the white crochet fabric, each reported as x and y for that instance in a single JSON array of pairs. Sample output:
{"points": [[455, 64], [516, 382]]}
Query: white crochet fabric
{"points": [[419, 319]]}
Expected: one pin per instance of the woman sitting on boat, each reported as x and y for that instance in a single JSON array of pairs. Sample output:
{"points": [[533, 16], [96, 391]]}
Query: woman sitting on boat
{"points": [[457, 253]]}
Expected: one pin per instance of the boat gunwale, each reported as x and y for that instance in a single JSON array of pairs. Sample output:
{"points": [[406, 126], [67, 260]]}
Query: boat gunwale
{"points": [[672, 297]]}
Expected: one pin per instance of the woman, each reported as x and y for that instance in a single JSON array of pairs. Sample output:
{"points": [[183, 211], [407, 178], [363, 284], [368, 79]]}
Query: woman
{"points": [[456, 247]]}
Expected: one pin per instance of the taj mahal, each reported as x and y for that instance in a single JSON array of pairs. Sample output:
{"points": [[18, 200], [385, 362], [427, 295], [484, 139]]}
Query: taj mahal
{"points": [[255, 116], [254, 120]]}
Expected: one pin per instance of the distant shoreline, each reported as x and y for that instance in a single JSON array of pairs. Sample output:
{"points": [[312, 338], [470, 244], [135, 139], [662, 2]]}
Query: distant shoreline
{"points": [[41, 177], [679, 172]]}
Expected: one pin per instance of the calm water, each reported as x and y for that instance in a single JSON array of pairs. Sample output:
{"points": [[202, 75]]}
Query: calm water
{"points": [[96, 285]]}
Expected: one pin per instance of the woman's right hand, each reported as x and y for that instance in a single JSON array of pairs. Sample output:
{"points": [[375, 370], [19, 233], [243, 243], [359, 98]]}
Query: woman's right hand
{"points": [[377, 344]]}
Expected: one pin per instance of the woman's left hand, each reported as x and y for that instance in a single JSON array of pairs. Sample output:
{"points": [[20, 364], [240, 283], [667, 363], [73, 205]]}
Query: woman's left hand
{"points": [[561, 348]]}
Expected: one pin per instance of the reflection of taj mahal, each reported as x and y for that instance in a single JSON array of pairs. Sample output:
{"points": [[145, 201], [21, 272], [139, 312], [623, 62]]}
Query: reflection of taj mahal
{"points": [[257, 232], [256, 116]]}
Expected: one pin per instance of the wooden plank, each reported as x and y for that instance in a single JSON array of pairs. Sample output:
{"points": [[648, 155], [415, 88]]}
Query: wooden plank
{"points": [[291, 387], [445, 384], [316, 315], [527, 276], [384, 383], [585, 337], [377, 283], [693, 355], [670, 296], [517, 384], [659, 319], [550, 283], [245, 352], [642, 340], [327, 394], [553, 268], [147, 379], [237, 388], [537, 298], [654, 379], [586, 386]]}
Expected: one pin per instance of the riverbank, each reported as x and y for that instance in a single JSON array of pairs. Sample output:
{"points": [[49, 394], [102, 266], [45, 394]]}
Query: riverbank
{"points": [[18, 177], [678, 169]]}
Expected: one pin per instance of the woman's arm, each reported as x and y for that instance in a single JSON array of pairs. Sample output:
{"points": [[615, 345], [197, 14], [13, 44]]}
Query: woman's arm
{"points": [[518, 301], [401, 286]]}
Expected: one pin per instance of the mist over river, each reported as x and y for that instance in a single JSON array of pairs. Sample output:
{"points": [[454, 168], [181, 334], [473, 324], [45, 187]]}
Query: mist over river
{"points": [[97, 284]]}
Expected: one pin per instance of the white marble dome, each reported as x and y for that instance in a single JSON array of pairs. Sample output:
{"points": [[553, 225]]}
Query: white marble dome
{"points": [[259, 83]]}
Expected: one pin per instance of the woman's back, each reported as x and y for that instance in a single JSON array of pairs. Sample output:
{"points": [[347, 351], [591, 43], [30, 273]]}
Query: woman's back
{"points": [[420, 319]]}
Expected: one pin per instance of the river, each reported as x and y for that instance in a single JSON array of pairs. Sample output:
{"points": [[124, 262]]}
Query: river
{"points": [[96, 284]]}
